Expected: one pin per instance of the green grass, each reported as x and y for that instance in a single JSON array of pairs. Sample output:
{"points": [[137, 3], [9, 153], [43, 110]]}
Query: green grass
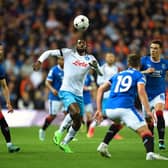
{"points": [[128, 152]]}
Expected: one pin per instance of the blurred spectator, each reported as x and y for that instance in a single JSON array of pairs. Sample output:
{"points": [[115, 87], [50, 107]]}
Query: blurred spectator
{"points": [[30, 27]]}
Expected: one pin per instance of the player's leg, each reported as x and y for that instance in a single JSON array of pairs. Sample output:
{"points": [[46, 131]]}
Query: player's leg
{"points": [[136, 122], [161, 128], [64, 125], [89, 113], [112, 114], [54, 108], [159, 103], [6, 133], [148, 142]]}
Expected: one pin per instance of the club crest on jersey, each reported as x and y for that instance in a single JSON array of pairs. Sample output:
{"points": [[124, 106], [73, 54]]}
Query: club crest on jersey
{"points": [[87, 58], [80, 63]]}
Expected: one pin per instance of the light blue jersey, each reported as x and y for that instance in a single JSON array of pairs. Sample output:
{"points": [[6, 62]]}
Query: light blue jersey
{"points": [[124, 89], [55, 75], [155, 82]]}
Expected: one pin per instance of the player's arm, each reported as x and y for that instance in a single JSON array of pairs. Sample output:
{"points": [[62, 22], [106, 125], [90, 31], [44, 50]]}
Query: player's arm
{"points": [[50, 87], [100, 92], [144, 99], [6, 94], [44, 56], [147, 71], [95, 66]]}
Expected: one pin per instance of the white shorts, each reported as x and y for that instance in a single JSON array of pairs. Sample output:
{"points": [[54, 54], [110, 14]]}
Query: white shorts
{"points": [[131, 117], [55, 107], [89, 108], [158, 99]]}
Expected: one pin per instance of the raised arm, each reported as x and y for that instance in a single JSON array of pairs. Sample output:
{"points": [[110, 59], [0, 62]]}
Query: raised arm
{"points": [[94, 65], [44, 56]]}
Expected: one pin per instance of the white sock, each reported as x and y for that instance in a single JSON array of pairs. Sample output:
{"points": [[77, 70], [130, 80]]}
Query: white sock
{"points": [[93, 124], [8, 144], [70, 135], [65, 123]]}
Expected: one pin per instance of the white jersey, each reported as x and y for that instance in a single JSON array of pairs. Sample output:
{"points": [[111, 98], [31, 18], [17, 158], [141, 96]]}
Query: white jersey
{"points": [[75, 68], [108, 72]]}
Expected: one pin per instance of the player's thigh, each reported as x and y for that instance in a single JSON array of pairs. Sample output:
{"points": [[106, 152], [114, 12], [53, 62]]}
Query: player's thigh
{"points": [[55, 107], [89, 108], [133, 119]]}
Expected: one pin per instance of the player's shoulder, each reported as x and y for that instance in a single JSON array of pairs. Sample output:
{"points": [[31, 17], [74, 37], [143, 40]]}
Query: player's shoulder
{"points": [[145, 57]]}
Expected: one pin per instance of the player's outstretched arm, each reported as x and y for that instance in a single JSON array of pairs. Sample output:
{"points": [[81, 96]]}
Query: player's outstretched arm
{"points": [[94, 65]]}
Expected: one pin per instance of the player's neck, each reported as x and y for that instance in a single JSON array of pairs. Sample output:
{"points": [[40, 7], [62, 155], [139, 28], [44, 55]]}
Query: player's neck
{"points": [[155, 59]]}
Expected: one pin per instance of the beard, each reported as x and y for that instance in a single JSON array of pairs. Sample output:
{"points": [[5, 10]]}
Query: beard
{"points": [[81, 51]]}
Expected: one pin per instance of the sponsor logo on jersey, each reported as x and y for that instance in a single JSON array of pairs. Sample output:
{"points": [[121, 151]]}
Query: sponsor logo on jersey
{"points": [[80, 63]]}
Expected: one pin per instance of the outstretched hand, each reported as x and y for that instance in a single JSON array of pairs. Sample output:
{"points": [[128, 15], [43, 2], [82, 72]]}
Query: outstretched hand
{"points": [[10, 108], [36, 66], [94, 66]]}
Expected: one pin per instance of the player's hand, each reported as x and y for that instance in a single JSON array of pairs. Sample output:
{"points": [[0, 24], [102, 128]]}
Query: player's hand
{"points": [[55, 93], [151, 116], [36, 66], [150, 70], [98, 116], [94, 66], [10, 108]]}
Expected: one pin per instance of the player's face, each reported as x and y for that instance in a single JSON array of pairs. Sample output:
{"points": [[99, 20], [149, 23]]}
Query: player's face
{"points": [[1, 52], [155, 51], [81, 46], [110, 58]]}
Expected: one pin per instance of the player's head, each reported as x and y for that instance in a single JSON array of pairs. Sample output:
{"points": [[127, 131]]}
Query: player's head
{"points": [[110, 58], [133, 61], [81, 46], [1, 52], [155, 49]]}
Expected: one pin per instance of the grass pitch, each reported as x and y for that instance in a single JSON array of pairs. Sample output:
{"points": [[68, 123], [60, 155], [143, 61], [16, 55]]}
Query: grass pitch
{"points": [[128, 152]]}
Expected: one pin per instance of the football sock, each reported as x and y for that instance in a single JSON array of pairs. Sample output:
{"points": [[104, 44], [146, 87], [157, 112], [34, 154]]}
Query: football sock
{"points": [[114, 128], [5, 130], [151, 127], [88, 124], [93, 124], [69, 136], [160, 126], [47, 122], [148, 142], [65, 123]]}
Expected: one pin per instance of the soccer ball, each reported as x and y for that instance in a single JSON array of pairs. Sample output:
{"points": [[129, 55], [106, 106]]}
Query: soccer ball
{"points": [[81, 22]]}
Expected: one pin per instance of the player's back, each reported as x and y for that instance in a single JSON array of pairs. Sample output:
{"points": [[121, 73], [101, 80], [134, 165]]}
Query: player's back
{"points": [[124, 88]]}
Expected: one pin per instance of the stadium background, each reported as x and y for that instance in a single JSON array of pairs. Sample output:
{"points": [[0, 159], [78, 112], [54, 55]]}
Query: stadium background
{"points": [[28, 28]]}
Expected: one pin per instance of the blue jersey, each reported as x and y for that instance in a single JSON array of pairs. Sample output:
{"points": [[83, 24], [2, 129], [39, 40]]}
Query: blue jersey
{"points": [[55, 75], [124, 89], [155, 82], [2, 72], [86, 93]]}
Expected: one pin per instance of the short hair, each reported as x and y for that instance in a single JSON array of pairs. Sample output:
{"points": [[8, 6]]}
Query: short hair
{"points": [[133, 60], [159, 42]]}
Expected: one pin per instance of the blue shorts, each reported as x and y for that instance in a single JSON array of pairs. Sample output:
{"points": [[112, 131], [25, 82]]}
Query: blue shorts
{"points": [[68, 98]]}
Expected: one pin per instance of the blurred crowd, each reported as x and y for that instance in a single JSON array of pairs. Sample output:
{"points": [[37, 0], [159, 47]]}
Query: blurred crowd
{"points": [[29, 27]]}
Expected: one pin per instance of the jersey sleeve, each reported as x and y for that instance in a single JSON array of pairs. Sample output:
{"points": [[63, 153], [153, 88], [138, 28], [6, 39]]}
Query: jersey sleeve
{"points": [[141, 79], [46, 54]]}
